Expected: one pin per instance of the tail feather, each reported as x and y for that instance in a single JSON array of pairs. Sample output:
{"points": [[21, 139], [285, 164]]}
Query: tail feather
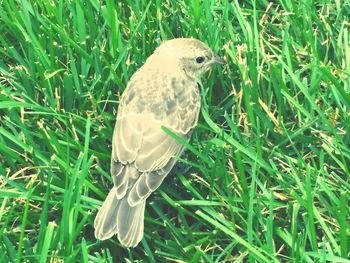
{"points": [[116, 216], [130, 223], [105, 221]]}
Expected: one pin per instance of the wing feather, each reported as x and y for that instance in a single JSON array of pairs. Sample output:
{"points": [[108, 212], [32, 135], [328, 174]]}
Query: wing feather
{"points": [[148, 183], [123, 181], [154, 154], [128, 139], [142, 153]]}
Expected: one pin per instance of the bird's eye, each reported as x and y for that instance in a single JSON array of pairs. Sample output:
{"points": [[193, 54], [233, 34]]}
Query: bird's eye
{"points": [[200, 60]]}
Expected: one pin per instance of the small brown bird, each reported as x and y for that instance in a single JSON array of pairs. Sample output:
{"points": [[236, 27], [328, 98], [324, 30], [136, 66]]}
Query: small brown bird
{"points": [[163, 92]]}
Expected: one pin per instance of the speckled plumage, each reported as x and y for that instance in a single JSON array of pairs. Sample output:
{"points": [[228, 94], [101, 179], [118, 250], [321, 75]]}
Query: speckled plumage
{"points": [[163, 92]]}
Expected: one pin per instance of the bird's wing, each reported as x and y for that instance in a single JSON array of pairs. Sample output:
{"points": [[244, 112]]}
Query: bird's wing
{"points": [[142, 153]]}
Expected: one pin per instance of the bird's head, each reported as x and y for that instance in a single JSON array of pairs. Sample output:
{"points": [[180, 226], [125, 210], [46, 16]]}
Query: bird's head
{"points": [[187, 55]]}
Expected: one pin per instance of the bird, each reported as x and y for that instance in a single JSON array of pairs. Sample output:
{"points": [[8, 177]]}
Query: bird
{"points": [[164, 92]]}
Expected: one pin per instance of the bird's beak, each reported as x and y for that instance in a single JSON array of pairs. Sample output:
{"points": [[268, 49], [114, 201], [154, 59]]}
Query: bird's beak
{"points": [[218, 61]]}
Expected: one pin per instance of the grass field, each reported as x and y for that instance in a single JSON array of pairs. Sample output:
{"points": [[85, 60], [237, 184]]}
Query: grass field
{"points": [[266, 176]]}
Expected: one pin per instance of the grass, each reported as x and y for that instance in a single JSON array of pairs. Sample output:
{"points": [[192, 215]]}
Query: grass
{"points": [[266, 175]]}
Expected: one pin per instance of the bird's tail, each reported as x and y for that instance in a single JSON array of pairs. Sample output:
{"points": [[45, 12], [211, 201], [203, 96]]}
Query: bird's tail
{"points": [[116, 216]]}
